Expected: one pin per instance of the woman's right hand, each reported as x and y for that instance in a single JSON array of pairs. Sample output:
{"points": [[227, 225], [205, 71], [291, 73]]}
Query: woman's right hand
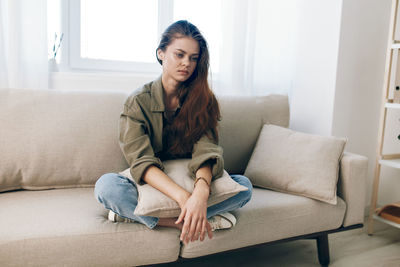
{"points": [[193, 206], [194, 217]]}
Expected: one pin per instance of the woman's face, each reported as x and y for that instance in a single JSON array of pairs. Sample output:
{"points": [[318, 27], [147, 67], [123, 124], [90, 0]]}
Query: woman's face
{"points": [[179, 60]]}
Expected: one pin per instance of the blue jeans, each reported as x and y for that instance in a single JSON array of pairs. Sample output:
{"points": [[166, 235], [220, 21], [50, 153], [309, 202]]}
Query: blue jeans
{"points": [[119, 194]]}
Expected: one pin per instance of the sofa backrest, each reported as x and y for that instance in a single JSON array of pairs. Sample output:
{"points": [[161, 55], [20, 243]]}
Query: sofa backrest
{"points": [[61, 139], [58, 139], [242, 120]]}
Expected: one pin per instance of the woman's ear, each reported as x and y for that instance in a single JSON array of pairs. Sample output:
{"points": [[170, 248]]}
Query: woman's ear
{"points": [[160, 54]]}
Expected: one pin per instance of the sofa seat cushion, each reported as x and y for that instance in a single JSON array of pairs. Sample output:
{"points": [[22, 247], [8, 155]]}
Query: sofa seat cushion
{"points": [[271, 216], [67, 227]]}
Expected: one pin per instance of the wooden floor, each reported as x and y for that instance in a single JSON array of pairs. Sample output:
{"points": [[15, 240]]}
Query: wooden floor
{"points": [[347, 249]]}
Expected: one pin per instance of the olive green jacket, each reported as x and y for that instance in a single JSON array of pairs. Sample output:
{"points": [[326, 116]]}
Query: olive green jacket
{"points": [[141, 129]]}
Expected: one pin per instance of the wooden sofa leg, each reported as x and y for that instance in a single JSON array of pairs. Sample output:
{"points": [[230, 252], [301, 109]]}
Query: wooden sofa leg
{"points": [[323, 249]]}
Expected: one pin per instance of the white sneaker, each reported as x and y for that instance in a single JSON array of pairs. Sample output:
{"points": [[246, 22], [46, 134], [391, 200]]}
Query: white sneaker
{"points": [[224, 220], [112, 216]]}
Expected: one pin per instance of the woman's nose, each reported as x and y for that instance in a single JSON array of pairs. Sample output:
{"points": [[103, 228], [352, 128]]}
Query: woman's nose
{"points": [[186, 61]]}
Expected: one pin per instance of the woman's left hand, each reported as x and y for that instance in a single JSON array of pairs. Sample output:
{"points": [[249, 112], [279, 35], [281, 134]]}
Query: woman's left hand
{"points": [[194, 216]]}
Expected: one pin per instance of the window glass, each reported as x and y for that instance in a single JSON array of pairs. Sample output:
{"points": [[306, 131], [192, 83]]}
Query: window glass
{"points": [[124, 30], [206, 15], [53, 28]]}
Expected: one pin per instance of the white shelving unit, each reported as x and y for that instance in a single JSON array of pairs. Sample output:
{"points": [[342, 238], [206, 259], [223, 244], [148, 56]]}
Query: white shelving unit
{"points": [[392, 105], [376, 217], [394, 163], [390, 85]]}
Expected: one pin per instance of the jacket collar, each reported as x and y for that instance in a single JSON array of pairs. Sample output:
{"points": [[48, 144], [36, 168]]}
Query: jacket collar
{"points": [[157, 96]]}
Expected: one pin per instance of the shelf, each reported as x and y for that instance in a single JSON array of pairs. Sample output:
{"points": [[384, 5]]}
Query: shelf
{"points": [[395, 163], [390, 156], [395, 45], [392, 66], [392, 105], [376, 217]]}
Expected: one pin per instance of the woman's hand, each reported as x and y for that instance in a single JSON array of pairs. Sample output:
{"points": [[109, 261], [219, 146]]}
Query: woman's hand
{"points": [[194, 215]]}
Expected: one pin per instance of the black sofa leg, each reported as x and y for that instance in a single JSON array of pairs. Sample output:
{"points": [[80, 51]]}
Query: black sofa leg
{"points": [[323, 249]]}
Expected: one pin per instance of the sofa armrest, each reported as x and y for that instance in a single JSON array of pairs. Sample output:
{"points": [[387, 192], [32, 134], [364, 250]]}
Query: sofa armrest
{"points": [[352, 186]]}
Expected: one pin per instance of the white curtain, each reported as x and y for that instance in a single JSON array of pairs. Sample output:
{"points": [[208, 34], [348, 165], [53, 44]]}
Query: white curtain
{"points": [[258, 44], [23, 44]]}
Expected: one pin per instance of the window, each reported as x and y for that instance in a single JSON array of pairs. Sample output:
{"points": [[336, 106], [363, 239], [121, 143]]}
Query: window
{"points": [[118, 29], [210, 24], [122, 35], [252, 44]]}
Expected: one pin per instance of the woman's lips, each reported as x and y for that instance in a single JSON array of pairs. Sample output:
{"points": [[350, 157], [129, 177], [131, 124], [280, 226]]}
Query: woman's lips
{"points": [[184, 72]]}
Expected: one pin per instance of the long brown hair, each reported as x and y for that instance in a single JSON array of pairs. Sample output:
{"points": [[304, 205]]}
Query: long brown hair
{"points": [[199, 114]]}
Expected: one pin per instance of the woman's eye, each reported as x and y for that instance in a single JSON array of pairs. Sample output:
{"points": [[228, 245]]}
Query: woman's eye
{"points": [[195, 59], [180, 55]]}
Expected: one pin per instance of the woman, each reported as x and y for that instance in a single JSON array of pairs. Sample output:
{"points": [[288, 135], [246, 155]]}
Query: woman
{"points": [[172, 117]]}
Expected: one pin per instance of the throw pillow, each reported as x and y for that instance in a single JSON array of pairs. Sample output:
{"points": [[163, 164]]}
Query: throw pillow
{"points": [[152, 202], [298, 163]]}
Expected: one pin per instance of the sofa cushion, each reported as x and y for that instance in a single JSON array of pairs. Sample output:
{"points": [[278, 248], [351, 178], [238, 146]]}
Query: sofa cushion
{"points": [[152, 202], [68, 227], [297, 163], [271, 216], [58, 139]]}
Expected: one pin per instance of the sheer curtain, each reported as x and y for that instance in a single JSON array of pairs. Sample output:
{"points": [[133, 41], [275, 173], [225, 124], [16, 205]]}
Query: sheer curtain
{"points": [[23, 44], [258, 44], [3, 70]]}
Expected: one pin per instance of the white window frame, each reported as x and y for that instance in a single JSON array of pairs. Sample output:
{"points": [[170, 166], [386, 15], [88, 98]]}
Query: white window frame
{"points": [[76, 62]]}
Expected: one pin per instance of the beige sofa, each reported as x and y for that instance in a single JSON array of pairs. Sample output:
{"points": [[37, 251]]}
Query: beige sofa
{"points": [[55, 144]]}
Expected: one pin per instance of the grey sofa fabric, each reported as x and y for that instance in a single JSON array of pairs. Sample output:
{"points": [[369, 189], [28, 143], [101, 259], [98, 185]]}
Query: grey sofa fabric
{"points": [[63, 139], [351, 186], [242, 120], [67, 139], [67, 227], [271, 216], [58, 139]]}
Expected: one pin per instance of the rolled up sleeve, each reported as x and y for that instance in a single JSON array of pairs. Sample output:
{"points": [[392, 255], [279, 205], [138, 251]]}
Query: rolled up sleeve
{"points": [[204, 150], [135, 142]]}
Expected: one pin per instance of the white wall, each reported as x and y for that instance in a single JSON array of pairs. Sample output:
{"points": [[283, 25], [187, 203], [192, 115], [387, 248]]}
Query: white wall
{"points": [[337, 90], [359, 85], [312, 99]]}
